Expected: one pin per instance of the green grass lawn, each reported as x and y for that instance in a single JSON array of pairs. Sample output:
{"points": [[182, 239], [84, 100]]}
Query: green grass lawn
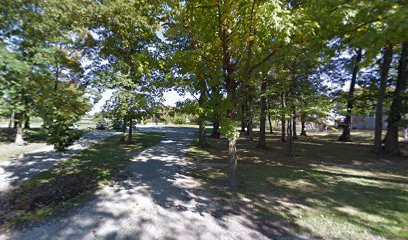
{"points": [[35, 138], [74, 179], [329, 189], [10, 150], [33, 135]]}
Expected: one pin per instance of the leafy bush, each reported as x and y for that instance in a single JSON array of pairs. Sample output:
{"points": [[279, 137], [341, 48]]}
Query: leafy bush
{"points": [[179, 120], [61, 136]]}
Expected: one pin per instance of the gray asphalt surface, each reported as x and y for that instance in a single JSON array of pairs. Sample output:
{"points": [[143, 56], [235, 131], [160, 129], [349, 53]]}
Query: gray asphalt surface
{"points": [[154, 198]]}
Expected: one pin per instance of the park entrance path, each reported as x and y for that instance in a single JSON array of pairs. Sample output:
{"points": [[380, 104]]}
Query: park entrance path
{"points": [[154, 198], [16, 170]]}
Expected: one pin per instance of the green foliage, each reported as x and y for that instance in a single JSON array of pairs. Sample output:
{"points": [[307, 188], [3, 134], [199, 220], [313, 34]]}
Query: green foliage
{"points": [[60, 111], [229, 129], [61, 136], [41, 71], [178, 120]]}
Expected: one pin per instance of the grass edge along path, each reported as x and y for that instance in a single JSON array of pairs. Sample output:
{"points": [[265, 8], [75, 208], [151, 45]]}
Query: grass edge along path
{"points": [[74, 180]]}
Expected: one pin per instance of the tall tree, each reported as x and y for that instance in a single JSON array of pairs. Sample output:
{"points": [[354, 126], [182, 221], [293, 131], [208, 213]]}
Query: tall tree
{"points": [[391, 141], [346, 135], [125, 33], [262, 126], [384, 69]]}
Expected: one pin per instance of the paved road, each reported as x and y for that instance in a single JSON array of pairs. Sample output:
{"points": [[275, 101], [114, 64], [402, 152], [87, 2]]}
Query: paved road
{"points": [[155, 198], [16, 170]]}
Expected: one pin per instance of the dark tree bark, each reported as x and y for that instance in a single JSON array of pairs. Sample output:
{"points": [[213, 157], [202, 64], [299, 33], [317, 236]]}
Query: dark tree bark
{"points": [[269, 120], [216, 129], [262, 140], [243, 117], [303, 123], [124, 130], [391, 145], [249, 111], [124, 125], [294, 132], [385, 67], [290, 137], [283, 125], [130, 130], [202, 141], [346, 135], [27, 122]]}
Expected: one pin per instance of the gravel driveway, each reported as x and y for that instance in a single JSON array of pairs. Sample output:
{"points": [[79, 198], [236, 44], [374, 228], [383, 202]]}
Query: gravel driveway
{"points": [[154, 198]]}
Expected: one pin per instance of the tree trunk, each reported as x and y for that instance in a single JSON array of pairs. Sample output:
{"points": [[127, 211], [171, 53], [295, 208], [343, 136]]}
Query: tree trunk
{"points": [[19, 139], [27, 122], [391, 141], [346, 135], [250, 129], [270, 123], [385, 67], [232, 163], [269, 118], [130, 139], [230, 85], [202, 142], [232, 149], [27, 113], [283, 120], [11, 122], [216, 130], [262, 140], [294, 132], [290, 137], [303, 122], [124, 132], [243, 117]]}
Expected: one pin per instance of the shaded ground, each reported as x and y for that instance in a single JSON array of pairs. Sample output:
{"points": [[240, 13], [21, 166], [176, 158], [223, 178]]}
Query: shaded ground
{"points": [[71, 181], [156, 198], [329, 189], [16, 170]]}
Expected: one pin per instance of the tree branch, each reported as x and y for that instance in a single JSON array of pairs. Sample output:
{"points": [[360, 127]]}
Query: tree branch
{"points": [[262, 61]]}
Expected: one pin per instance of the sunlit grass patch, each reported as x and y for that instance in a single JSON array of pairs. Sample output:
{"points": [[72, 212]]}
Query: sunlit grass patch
{"points": [[10, 150], [334, 191]]}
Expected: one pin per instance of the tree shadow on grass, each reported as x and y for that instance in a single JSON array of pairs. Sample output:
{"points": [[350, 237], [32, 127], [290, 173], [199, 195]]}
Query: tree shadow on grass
{"points": [[13, 172], [375, 204], [156, 197]]}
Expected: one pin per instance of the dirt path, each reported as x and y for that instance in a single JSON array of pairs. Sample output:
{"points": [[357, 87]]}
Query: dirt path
{"points": [[16, 170], [155, 198]]}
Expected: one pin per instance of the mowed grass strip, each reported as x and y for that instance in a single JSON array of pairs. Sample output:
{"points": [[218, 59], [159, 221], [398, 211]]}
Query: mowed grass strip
{"points": [[74, 179], [322, 203], [329, 197], [35, 140]]}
